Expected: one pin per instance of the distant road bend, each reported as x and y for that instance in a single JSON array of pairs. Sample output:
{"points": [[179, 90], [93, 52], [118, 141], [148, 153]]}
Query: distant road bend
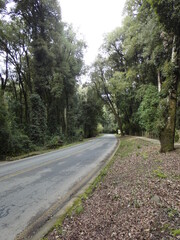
{"points": [[30, 187]]}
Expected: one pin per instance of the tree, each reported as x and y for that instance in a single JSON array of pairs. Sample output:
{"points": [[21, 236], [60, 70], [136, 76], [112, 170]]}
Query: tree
{"points": [[72, 63], [4, 129], [91, 113], [168, 14], [42, 59], [148, 114], [38, 119], [100, 76], [108, 121]]}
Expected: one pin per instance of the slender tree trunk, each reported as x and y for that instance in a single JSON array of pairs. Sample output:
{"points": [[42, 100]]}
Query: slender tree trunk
{"points": [[21, 104], [15, 91], [65, 120], [159, 81], [2, 84], [168, 133], [117, 117], [110, 105], [28, 73], [25, 99], [4, 81]]}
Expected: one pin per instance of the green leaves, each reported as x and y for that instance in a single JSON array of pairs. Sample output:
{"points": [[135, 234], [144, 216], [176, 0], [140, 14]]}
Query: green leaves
{"points": [[4, 129], [168, 12], [148, 114], [91, 113], [38, 119]]}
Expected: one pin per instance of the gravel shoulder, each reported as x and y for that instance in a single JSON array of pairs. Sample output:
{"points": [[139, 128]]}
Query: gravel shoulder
{"points": [[138, 198]]}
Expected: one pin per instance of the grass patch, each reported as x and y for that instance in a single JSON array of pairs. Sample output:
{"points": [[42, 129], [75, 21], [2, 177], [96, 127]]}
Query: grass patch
{"points": [[158, 173], [166, 227], [172, 213], [125, 147], [175, 232], [128, 145], [145, 156], [158, 160], [79, 209], [76, 208]]}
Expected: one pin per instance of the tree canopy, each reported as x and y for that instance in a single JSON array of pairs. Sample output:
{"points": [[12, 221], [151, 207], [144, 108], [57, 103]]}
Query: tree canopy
{"points": [[137, 70], [134, 83]]}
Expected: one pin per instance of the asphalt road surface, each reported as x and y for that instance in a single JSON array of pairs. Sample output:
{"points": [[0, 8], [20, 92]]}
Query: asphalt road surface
{"points": [[30, 186]]}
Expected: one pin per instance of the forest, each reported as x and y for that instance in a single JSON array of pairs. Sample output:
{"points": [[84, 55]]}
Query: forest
{"points": [[134, 81]]}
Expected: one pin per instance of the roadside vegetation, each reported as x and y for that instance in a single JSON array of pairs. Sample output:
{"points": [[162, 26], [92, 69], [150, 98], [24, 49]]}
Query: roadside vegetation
{"points": [[135, 197], [45, 149], [42, 104], [136, 73], [133, 87]]}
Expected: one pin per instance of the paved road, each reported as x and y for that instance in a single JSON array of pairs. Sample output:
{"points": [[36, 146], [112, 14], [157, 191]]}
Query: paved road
{"points": [[29, 187]]}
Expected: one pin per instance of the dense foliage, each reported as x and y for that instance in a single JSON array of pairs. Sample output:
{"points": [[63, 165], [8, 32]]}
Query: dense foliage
{"points": [[41, 60], [134, 79], [137, 70]]}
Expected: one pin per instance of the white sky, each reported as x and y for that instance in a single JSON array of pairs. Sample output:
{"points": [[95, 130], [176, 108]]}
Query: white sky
{"points": [[92, 18]]}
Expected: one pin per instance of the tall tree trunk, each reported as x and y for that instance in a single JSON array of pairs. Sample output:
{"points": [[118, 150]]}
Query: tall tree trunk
{"points": [[117, 117], [111, 107], [168, 133], [14, 89], [29, 83]]}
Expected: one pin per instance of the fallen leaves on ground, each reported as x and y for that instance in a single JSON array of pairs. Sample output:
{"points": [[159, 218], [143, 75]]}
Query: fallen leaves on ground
{"points": [[139, 198]]}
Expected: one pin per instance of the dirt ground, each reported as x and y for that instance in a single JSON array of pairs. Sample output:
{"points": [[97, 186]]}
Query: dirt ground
{"points": [[139, 198]]}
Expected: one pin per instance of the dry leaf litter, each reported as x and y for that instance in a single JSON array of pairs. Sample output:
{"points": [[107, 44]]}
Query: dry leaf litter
{"points": [[138, 199]]}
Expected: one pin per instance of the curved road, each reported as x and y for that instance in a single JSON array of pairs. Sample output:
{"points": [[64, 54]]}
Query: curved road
{"points": [[30, 186]]}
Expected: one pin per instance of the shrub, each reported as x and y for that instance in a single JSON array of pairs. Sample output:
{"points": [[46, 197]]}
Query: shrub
{"points": [[20, 143], [54, 142]]}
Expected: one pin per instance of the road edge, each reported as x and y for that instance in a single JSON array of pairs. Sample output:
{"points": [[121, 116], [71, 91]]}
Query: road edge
{"points": [[42, 225]]}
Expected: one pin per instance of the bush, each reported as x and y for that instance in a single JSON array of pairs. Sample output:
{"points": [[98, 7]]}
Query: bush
{"points": [[4, 143], [55, 142], [20, 143], [79, 135]]}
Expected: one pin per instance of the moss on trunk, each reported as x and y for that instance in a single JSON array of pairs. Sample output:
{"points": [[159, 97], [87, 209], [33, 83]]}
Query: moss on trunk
{"points": [[167, 134]]}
